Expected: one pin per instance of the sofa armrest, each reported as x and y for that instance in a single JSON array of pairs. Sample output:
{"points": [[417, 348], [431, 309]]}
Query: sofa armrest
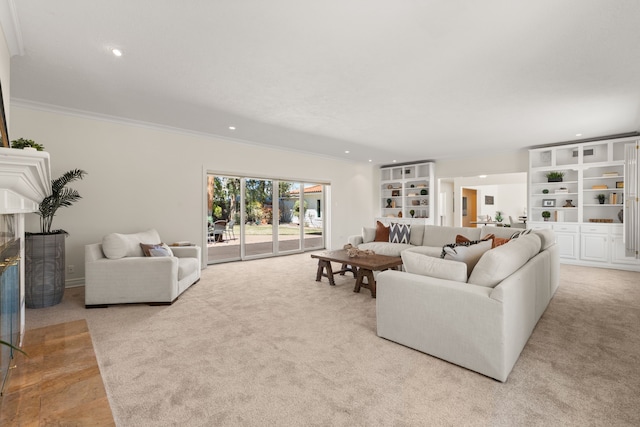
{"points": [[454, 321], [131, 279], [355, 240], [186, 252]]}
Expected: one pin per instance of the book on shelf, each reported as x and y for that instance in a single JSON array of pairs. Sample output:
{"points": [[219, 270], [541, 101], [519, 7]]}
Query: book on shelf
{"points": [[613, 198], [599, 187], [609, 174]]}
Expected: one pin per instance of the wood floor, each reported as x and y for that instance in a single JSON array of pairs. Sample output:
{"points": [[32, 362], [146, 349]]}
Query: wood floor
{"points": [[59, 383]]}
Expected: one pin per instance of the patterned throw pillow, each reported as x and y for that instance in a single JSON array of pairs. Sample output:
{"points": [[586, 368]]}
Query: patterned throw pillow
{"points": [[399, 233], [520, 233], [156, 250]]}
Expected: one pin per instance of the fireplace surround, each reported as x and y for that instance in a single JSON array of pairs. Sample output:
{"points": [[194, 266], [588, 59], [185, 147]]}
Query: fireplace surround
{"points": [[25, 179]]}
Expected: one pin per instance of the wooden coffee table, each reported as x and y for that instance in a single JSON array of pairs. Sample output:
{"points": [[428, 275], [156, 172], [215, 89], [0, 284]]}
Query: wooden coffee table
{"points": [[361, 266]]}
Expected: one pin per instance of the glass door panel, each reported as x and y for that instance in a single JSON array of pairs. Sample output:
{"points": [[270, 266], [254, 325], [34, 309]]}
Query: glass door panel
{"points": [[288, 225], [313, 222], [258, 214], [223, 218]]}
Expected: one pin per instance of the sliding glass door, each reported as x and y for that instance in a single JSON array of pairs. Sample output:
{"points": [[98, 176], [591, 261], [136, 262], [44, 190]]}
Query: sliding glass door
{"points": [[289, 229], [313, 218], [254, 217], [258, 223]]}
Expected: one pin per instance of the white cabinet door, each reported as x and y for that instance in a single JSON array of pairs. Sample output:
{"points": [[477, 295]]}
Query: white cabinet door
{"points": [[568, 245], [618, 255], [594, 247]]}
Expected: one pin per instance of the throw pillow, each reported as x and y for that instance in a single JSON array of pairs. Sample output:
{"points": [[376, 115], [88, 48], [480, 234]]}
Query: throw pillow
{"points": [[460, 239], [520, 233], [424, 265], [502, 262], [467, 253], [499, 241], [368, 234], [399, 233], [158, 250], [382, 232]]}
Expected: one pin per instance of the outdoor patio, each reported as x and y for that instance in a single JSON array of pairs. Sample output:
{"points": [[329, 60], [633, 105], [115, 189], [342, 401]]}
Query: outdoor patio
{"points": [[259, 240]]}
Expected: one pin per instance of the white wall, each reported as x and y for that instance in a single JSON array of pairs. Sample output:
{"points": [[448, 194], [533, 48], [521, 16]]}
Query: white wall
{"points": [[142, 177]]}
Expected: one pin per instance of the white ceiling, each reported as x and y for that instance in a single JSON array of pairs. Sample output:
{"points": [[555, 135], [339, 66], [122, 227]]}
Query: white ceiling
{"points": [[386, 80]]}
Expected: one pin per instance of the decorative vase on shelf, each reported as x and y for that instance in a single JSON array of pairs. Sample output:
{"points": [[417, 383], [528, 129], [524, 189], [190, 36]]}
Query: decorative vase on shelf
{"points": [[621, 215]]}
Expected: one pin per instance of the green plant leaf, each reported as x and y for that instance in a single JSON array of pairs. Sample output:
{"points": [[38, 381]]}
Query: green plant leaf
{"points": [[13, 347]]}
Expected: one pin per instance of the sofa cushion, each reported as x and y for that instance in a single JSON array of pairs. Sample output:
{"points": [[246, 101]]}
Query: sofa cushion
{"points": [[156, 250], [426, 250], [547, 237], [467, 253], [385, 248], [382, 232], [425, 265], [368, 234], [116, 245], [399, 233], [417, 234], [499, 263], [435, 235]]}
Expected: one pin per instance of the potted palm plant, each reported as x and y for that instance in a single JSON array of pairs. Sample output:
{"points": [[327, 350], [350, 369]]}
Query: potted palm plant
{"points": [[45, 251]]}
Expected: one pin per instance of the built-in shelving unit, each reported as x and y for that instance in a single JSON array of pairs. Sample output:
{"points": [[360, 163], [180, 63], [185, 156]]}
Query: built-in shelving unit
{"points": [[406, 191], [589, 231]]}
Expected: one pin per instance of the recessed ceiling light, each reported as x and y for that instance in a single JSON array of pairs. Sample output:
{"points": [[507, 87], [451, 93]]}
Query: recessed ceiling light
{"points": [[346, 151], [578, 134], [482, 176], [394, 161], [370, 160], [232, 128], [117, 52]]}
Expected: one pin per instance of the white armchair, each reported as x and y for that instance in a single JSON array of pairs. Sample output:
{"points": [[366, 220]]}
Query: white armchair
{"points": [[117, 272]]}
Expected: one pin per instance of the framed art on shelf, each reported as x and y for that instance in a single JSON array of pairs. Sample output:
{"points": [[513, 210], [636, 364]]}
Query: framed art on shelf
{"points": [[548, 203]]}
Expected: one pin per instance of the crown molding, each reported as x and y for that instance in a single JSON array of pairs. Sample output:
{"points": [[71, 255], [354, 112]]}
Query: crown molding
{"points": [[11, 27], [56, 109]]}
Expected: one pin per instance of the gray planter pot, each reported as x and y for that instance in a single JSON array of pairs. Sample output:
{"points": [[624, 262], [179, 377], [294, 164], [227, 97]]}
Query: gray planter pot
{"points": [[44, 269]]}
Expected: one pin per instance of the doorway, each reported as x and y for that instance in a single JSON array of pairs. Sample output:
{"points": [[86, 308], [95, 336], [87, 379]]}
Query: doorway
{"points": [[469, 207]]}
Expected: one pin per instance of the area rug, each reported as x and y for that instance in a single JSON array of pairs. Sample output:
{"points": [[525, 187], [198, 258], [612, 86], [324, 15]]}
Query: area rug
{"points": [[262, 343]]}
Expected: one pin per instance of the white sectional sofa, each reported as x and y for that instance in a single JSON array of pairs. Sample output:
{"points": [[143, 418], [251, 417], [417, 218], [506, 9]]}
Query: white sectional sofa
{"points": [[118, 272], [479, 319]]}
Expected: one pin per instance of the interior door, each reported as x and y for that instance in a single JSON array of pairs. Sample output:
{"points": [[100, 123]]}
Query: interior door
{"points": [[469, 207]]}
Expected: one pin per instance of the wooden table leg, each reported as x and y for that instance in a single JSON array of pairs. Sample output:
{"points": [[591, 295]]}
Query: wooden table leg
{"points": [[328, 271], [371, 283], [345, 268], [320, 268], [359, 276]]}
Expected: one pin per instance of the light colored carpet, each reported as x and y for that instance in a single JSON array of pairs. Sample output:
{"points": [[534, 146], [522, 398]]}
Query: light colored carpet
{"points": [[262, 343]]}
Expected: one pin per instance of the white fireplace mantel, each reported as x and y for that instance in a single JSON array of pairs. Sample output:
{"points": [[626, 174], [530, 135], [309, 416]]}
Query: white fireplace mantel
{"points": [[25, 179]]}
